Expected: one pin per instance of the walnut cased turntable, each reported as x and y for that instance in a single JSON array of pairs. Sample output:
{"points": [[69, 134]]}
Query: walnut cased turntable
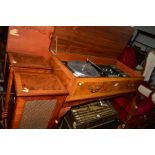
{"points": [[98, 44], [101, 45]]}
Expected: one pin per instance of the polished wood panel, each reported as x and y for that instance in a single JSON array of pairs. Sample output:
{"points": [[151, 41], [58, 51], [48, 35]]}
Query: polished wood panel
{"points": [[100, 41], [28, 61], [99, 87], [62, 72], [33, 40], [28, 84]]}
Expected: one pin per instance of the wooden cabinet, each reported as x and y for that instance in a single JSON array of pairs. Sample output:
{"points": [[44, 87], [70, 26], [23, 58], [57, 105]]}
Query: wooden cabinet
{"points": [[102, 45], [39, 98], [24, 63], [89, 88]]}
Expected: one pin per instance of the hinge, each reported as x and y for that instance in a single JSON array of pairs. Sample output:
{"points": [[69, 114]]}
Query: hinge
{"points": [[55, 51]]}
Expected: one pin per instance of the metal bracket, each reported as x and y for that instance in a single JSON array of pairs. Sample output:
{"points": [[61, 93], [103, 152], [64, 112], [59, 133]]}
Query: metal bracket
{"points": [[56, 46]]}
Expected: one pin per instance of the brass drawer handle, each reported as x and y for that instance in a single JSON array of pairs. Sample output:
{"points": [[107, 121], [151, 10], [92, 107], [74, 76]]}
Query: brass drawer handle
{"points": [[94, 89]]}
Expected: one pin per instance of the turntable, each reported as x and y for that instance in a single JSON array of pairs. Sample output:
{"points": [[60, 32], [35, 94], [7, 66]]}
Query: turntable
{"points": [[84, 81], [90, 69], [87, 63], [82, 69], [103, 76]]}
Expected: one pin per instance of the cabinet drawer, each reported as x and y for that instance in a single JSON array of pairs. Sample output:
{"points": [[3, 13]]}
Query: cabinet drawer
{"points": [[98, 89]]}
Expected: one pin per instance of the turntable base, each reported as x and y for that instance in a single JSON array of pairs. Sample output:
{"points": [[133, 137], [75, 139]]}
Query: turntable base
{"points": [[84, 88]]}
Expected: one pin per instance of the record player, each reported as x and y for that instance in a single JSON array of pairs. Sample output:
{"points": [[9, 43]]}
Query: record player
{"points": [[90, 69], [85, 59], [90, 51]]}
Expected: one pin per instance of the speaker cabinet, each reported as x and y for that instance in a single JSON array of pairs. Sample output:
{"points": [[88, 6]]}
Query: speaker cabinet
{"points": [[22, 63], [39, 98]]}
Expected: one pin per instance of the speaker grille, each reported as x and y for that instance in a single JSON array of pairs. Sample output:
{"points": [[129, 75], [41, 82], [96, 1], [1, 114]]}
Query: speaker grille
{"points": [[37, 114]]}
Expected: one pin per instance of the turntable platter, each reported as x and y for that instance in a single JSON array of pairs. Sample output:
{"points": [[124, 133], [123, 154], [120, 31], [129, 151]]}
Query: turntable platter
{"points": [[82, 69]]}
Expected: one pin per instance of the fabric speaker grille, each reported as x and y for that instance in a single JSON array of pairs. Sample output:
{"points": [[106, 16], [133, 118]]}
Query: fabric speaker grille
{"points": [[37, 114]]}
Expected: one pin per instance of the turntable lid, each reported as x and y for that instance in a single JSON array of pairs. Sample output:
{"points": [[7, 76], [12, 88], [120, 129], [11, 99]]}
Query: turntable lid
{"points": [[99, 41], [29, 39]]}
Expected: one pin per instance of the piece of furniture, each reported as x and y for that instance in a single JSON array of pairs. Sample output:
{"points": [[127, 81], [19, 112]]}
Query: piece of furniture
{"points": [[87, 88], [25, 63], [27, 50], [39, 98], [102, 45]]}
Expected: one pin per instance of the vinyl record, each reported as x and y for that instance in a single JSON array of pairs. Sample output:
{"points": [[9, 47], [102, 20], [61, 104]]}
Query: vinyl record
{"points": [[82, 69]]}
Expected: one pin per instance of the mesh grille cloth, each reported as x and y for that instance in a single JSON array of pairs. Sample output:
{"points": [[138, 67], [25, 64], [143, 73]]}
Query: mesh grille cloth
{"points": [[37, 113]]}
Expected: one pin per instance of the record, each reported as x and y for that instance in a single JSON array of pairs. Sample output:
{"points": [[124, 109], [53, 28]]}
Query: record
{"points": [[82, 69]]}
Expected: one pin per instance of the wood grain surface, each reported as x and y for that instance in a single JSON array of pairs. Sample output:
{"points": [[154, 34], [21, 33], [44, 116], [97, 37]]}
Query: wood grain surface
{"points": [[37, 84], [33, 40], [100, 41]]}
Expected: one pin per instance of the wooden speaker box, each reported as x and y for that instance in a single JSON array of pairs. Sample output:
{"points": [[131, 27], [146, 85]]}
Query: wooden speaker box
{"points": [[27, 51], [28, 47], [24, 63], [39, 98], [101, 45]]}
